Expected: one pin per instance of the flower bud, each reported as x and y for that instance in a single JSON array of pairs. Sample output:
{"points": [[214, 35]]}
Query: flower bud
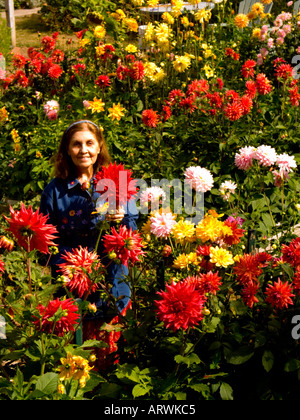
{"points": [[167, 250]]}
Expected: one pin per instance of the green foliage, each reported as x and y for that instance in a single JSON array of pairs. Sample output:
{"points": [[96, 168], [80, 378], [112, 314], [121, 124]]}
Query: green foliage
{"points": [[236, 350]]}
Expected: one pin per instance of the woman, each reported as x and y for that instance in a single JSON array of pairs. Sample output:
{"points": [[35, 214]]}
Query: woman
{"points": [[70, 201]]}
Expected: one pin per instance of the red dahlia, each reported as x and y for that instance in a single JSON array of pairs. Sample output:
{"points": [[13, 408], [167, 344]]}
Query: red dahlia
{"points": [[116, 183], [205, 282], [150, 118], [137, 70], [263, 84], [247, 269], [234, 110], [248, 69], [79, 264], [103, 81], [180, 306], [126, 244], [248, 293], [58, 317], [31, 229], [279, 294]]}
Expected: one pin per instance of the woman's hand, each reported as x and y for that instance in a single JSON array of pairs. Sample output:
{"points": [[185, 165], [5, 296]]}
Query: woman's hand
{"points": [[115, 216]]}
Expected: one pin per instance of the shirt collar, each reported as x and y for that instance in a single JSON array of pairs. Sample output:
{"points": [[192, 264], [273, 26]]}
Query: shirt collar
{"points": [[72, 182]]}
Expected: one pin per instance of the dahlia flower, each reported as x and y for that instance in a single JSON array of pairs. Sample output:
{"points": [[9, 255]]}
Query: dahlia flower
{"points": [[210, 229], [79, 263], [247, 269], [31, 229], [117, 183], [150, 118], [265, 155], [248, 69], [279, 294], [286, 163], [74, 367], [236, 232], [234, 110], [227, 188], [116, 112], [58, 317], [55, 71], [244, 158], [180, 306], [199, 178], [221, 257], [152, 194], [263, 84], [126, 244], [184, 232], [51, 109], [205, 282], [248, 293], [241, 20], [181, 63], [162, 223]]}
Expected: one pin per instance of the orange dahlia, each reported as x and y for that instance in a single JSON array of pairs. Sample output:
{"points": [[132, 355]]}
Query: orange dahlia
{"points": [[31, 229]]}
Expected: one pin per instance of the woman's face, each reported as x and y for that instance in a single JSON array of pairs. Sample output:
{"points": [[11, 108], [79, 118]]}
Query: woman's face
{"points": [[83, 150]]}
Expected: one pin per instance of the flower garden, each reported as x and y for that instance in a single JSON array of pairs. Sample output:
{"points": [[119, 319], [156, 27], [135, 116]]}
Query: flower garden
{"points": [[208, 98]]}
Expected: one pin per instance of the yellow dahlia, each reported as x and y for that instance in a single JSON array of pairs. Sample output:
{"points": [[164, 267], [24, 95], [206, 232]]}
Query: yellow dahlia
{"points": [[184, 260], [131, 24], [149, 33], [166, 17], [241, 20], [181, 63], [257, 8], [3, 114], [97, 105], [256, 33], [100, 32], [209, 229], [116, 112], [131, 48], [184, 232], [152, 3], [221, 257]]}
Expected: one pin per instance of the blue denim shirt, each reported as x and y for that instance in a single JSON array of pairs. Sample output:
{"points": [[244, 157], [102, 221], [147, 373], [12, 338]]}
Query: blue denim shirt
{"points": [[72, 210]]}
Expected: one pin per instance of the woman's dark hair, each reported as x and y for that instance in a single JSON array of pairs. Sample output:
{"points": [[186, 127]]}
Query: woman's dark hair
{"points": [[64, 166]]}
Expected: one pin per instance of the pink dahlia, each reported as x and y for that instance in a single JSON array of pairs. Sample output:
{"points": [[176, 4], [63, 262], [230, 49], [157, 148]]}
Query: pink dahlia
{"points": [[244, 158], [199, 178], [161, 224], [180, 306], [265, 155]]}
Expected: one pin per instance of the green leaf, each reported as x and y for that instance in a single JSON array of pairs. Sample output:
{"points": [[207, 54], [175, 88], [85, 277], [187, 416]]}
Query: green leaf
{"points": [[268, 360], [140, 389], [188, 360], [47, 383], [240, 356], [94, 343], [226, 392]]}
